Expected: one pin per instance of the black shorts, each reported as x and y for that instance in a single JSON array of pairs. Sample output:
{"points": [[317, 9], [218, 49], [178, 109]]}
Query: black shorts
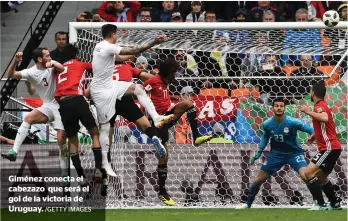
{"points": [[127, 108], [74, 109], [163, 132], [326, 160]]}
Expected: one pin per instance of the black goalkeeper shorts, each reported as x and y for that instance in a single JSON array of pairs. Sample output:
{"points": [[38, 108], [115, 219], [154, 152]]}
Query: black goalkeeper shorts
{"points": [[74, 109], [127, 108]]}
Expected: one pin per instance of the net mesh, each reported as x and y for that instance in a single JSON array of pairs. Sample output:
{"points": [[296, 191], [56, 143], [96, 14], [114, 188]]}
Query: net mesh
{"points": [[234, 76]]}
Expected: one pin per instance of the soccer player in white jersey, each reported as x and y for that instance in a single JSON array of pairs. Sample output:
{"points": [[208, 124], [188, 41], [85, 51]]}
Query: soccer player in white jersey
{"points": [[42, 77], [104, 91]]}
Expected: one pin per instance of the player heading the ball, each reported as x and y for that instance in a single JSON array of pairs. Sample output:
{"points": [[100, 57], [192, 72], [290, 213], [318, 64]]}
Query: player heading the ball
{"points": [[104, 91]]}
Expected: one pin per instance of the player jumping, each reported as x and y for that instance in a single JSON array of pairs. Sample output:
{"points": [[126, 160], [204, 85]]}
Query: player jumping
{"points": [[282, 131], [42, 77], [74, 108], [329, 150], [126, 107], [105, 92], [159, 93]]}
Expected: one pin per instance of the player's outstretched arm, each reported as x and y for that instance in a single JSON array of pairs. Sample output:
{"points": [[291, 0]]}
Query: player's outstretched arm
{"points": [[319, 115], [305, 128], [123, 58], [12, 73], [141, 48], [144, 76]]}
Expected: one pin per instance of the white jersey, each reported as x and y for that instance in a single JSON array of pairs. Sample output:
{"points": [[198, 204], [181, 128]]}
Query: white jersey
{"points": [[104, 90], [103, 64], [44, 81]]}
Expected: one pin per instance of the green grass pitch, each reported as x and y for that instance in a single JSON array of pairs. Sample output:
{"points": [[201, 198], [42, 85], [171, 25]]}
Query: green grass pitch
{"points": [[183, 215]]}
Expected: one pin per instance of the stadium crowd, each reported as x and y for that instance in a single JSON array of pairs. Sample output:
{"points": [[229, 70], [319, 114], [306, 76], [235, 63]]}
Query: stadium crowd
{"points": [[263, 59]]}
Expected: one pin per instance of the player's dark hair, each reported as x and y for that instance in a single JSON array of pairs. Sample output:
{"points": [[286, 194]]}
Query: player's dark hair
{"points": [[319, 89], [69, 52], [61, 33], [108, 30], [37, 53], [168, 68], [278, 99]]}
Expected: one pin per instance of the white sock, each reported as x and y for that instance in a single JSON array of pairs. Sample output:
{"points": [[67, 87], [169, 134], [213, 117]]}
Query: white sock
{"points": [[22, 133], [104, 141], [145, 101], [64, 159]]}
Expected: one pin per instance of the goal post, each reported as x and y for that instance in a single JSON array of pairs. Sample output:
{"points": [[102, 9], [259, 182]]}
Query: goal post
{"points": [[234, 70]]}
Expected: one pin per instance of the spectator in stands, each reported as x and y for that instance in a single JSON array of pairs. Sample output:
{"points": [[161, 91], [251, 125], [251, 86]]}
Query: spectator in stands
{"points": [[299, 88], [145, 15], [96, 16], [256, 13], [343, 11], [300, 41], [268, 16], [272, 87], [197, 14], [166, 13], [87, 16], [176, 17], [241, 15], [210, 16], [119, 11], [61, 38], [182, 58]]}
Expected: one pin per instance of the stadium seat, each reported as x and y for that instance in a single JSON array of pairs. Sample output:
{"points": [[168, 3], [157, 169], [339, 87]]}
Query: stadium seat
{"points": [[214, 92], [288, 69], [245, 92], [327, 70]]}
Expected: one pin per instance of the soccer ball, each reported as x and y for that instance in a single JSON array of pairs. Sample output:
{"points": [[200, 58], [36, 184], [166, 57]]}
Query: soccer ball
{"points": [[331, 18]]}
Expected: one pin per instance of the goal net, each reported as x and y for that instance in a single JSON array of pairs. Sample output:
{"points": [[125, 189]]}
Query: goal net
{"points": [[232, 73]]}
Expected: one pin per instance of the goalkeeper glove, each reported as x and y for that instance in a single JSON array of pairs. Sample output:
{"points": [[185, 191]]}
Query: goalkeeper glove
{"points": [[256, 156]]}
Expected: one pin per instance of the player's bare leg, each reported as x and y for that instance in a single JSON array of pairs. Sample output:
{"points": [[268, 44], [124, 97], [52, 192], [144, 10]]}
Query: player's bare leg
{"points": [[34, 117], [254, 189], [312, 171], [162, 170], [188, 107], [145, 101]]}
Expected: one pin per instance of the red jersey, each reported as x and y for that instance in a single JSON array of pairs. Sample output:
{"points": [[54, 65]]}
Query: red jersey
{"points": [[125, 72], [72, 80], [159, 93], [325, 132]]}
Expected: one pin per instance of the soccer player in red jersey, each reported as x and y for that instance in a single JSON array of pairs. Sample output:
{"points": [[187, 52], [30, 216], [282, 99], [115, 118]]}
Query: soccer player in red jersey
{"points": [[329, 149], [126, 107], [160, 96], [74, 108]]}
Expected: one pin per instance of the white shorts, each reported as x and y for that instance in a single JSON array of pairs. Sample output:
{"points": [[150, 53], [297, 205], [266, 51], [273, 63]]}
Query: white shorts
{"points": [[105, 99], [51, 110]]}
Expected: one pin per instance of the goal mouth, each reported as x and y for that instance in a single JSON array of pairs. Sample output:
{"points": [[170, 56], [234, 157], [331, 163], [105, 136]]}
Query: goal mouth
{"points": [[235, 70]]}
